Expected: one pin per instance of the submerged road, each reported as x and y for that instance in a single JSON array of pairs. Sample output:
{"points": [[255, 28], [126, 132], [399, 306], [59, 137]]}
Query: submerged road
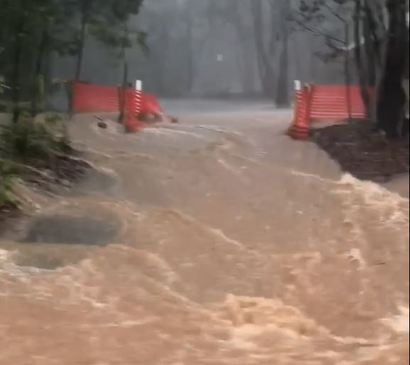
{"points": [[216, 241]]}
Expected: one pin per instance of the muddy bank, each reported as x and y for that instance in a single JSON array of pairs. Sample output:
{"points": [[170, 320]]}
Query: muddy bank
{"points": [[8, 212], [366, 154], [64, 171], [56, 178]]}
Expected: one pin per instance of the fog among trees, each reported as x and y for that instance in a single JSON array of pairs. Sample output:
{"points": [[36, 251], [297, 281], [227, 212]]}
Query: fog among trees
{"points": [[206, 48]]}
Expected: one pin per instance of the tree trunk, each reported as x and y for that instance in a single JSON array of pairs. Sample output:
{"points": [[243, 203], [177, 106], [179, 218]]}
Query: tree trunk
{"points": [[16, 76], [282, 96], [391, 95], [83, 34], [37, 90], [245, 58], [123, 94], [124, 84], [190, 55], [373, 53], [85, 9], [361, 65], [266, 72], [347, 75]]}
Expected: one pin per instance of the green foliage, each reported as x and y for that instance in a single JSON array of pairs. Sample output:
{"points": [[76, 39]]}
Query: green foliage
{"points": [[31, 141], [31, 31], [29, 145], [109, 24], [7, 179], [3, 86]]}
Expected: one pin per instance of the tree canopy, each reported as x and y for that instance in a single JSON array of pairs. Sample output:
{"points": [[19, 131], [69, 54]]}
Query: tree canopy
{"points": [[32, 31]]}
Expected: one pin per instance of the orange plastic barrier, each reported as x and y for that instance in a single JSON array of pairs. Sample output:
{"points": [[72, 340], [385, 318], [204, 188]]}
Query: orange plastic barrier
{"points": [[132, 123], [336, 103], [300, 126], [150, 104], [90, 98], [331, 103]]}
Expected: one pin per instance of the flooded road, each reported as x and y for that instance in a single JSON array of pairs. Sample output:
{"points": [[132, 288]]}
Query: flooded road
{"points": [[217, 241]]}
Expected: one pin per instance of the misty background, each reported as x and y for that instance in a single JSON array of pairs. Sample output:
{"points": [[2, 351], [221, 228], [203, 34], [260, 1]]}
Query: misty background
{"points": [[198, 48]]}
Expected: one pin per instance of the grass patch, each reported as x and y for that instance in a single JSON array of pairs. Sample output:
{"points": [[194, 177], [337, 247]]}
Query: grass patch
{"points": [[38, 151], [33, 141], [7, 179]]}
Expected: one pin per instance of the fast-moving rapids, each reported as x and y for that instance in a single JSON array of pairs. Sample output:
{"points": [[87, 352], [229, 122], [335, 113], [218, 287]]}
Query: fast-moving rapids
{"points": [[217, 241]]}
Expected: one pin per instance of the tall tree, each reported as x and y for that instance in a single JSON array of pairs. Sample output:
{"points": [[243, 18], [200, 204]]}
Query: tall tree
{"points": [[33, 30], [265, 48], [282, 93], [391, 103], [380, 51], [236, 13], [87, 10]]}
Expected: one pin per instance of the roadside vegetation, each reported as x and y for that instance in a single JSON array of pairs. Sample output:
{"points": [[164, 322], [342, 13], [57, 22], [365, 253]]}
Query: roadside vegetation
{"points": [[371, 38], [34, 150], [33, 33]]}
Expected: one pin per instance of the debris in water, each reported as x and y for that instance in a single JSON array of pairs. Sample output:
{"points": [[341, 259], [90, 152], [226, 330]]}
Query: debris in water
{"points": [[102, 125]]}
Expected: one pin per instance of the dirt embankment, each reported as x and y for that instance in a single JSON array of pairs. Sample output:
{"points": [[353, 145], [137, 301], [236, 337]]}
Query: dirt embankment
{"points": [[51, 177], [365, 153]]}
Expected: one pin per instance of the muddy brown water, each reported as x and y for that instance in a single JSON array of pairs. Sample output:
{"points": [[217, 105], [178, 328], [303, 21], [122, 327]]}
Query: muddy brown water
{"points": [[217, 241]]}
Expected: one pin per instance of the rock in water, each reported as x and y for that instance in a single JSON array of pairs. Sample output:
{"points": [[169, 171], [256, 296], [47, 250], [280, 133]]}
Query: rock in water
{"points": [[102, 125]]}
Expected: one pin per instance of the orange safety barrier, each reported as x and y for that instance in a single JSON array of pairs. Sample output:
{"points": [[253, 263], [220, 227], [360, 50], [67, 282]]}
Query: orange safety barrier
{"points": [[336, 103], [90, 98], [331, 103], [300, 126], [150, 104], [132, 123]]}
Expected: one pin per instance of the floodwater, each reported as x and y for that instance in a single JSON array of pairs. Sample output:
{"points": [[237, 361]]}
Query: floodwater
{"points": [[217, 241]]}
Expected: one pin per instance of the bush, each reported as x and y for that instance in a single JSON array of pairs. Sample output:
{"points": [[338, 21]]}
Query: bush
{"points": [[7, 177], [27, 147], [29, 140]]}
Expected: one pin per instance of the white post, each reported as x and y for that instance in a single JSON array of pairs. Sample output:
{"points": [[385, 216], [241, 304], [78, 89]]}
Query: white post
{"points": [[138, 97], [138, 85], [298, 85]]}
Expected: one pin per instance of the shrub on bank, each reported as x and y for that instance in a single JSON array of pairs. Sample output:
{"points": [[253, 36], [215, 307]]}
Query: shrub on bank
{"points": [[30, 145], [7, 178]]}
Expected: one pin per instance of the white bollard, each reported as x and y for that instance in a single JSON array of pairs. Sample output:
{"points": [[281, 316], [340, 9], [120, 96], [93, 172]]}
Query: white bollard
{"points": [[138, 95], [298, 85], [138, 85]]}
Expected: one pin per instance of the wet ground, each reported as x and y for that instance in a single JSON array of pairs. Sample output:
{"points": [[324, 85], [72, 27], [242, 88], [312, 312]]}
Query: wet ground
{"points": [[217, 241], [364, 152]]}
